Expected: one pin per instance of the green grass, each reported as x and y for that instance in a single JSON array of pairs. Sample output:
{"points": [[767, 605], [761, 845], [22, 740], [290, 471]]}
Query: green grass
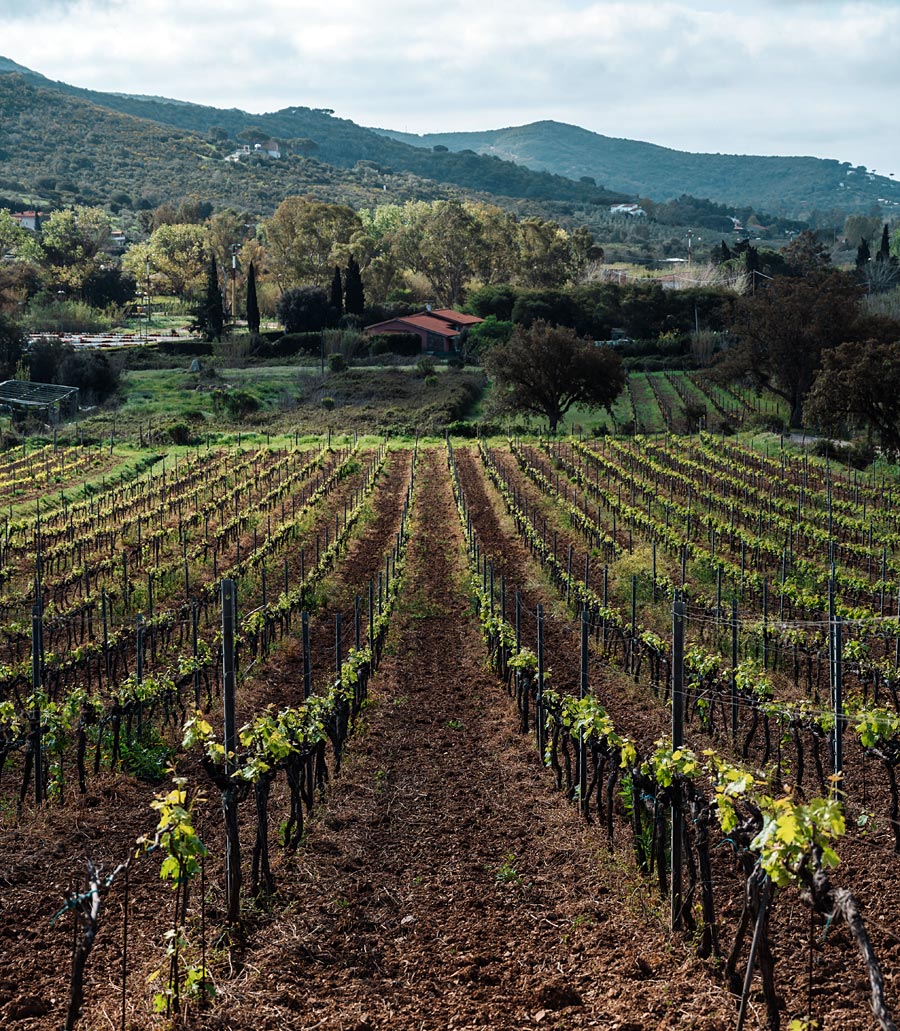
{"points": [[649, 418]]}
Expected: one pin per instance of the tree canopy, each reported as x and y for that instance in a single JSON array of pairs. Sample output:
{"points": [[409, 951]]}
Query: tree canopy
{"points": [[859, 385], [783, 330], [544, 370], [304, 309]]}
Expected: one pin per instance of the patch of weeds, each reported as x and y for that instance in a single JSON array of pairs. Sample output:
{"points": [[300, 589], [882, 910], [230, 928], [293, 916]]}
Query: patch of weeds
{"points": [[582, 920], [455, 724], [506, 872], [147, 757], [400, 700]]}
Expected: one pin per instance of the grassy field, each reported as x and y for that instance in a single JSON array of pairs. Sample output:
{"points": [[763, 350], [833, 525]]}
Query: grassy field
{"points": [[178, 406], [228, 399]]}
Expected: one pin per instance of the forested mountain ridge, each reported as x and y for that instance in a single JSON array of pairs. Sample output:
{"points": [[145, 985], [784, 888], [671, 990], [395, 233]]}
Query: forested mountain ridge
{"points": [[308, 132], [791, 186], [154, 148]]}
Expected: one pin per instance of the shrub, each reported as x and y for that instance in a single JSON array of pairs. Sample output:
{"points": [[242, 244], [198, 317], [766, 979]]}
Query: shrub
{"points": [[189, 348], [46, 314], [425, 367], [431, 381], [396, 343], [860, 455], [768, 421], [289, 344], [180, 433], [328, 403], [96, 377], [337, 363], [236, 403], [304, 309]]}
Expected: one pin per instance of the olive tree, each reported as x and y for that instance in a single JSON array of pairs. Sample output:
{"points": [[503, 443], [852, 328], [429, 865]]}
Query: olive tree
{"points": [[544, 370]]}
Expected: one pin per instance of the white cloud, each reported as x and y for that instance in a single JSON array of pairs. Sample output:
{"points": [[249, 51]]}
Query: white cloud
{"points": [[787, 76]]}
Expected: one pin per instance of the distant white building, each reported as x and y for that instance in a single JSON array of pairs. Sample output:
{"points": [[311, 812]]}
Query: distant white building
{"points": [[632, 210], [271, 148]]}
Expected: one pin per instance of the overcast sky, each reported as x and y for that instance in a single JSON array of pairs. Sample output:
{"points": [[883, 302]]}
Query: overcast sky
{"points": [[817, 77]]}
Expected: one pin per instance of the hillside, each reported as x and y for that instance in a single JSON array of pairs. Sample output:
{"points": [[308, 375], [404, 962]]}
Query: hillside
{"points": [[791, 186], [333, 142], [63, 144]]}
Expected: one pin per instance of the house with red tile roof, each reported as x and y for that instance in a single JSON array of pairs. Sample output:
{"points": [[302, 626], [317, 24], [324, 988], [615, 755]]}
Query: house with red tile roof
{"points": [[28, 219], [438, 329]]}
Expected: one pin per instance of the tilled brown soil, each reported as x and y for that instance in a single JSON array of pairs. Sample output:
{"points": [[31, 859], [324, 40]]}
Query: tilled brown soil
{"points": [[449, 885], [818, 973], [443, 883]]}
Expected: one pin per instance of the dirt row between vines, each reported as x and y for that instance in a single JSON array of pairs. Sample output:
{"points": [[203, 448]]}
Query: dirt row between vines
{"points": [[869, 867], [444, 882], [449, 885], [42, 855]]}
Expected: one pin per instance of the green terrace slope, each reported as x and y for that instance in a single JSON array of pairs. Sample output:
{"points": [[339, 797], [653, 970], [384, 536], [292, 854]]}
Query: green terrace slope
{"points": [[792, 186]]}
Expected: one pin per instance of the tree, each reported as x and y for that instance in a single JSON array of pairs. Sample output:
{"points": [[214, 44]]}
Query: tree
{"points": [[545, 369], [12, 235], [863, 254], [72, 239], [884, 251], [106, 286], [480, 338], [225, 230], [783, 330], [442, 242], [211, 314], [176, 255], [304, 237], [860, 227], [252, 303], [305, 309], [91, 371], [337, 291], [12, 346], [806, 254], [859, 384], [720, 253], [354, 295], [544, 253]]}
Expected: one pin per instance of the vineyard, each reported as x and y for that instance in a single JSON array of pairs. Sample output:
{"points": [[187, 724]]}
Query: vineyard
{"points": [[564, 733]]}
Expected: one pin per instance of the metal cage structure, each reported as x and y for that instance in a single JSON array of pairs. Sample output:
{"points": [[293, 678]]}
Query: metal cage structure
{"points": [[21, 398]]}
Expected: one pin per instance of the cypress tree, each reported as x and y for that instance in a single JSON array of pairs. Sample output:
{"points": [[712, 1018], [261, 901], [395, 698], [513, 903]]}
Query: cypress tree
{"points": [[751, 264], [337, 293], [354, 296], [212, 314], [884, 251], [863, 254], [252, 303]]}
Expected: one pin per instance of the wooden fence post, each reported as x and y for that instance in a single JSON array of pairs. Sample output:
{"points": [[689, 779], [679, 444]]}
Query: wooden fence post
{"points": [[677, 901]]}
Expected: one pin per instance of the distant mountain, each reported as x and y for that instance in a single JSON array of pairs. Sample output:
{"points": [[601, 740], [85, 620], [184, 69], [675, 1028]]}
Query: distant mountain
{"points": [[791, 186], [314, 133], [64, 144]]}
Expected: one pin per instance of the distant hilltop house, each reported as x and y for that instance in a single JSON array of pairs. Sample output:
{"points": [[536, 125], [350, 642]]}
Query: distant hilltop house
{"points": [[28, 219], [438, 329], [270, 148], [632, 210]]}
